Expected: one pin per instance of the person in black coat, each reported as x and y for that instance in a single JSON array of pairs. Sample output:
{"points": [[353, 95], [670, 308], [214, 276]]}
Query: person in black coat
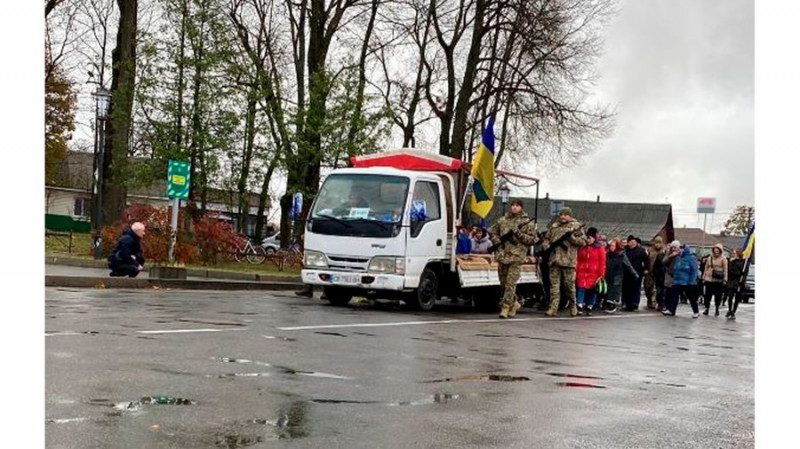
{"points": [[632, 286], [127, 258], [735, 280]]}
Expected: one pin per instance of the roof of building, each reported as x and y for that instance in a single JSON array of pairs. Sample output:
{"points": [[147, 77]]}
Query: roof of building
{"points": [[643, 220], [731, 241], [696, 237]]}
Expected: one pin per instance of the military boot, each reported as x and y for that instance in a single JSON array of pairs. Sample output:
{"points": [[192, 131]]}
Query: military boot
{"points": [[573, 309], [514, 308], [504, 310], [552, 310]]}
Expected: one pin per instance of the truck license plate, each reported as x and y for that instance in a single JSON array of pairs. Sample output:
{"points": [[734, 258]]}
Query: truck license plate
{"points": [[345, 278]]}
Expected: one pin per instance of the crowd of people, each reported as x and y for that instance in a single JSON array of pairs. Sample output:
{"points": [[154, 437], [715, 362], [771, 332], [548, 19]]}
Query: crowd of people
{"points": [[584, 272]]}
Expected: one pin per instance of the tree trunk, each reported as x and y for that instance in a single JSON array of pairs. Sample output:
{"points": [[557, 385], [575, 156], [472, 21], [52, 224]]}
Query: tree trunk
{"points": [[243, 208], [263, 197], [118, 130], [357, 120], [467, 85]]}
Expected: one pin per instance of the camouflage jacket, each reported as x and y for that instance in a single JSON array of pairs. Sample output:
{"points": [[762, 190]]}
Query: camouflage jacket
{"points": [[514, 250], [560, 256]]}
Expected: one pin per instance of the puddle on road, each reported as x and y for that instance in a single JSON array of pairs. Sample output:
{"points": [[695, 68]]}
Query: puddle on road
{"points": [[438, 398], [135, 406], [232, 360], [680, 348], [272, 337], [423, 339], [232, 375], [287, 370], [578, 385], [666, 384], [683, 337], [575, 376], [549, 362], [709, 345], [341, 401], [335, 334], [481, 378], [366, 334], [65, 420], [211, 322]]}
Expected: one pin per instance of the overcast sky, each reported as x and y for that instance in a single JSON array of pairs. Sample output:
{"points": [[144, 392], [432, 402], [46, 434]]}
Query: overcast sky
{"points": [[681, 74]]}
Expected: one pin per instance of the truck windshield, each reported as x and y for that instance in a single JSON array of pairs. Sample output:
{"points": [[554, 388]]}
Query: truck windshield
{"points": [[365, 205]]}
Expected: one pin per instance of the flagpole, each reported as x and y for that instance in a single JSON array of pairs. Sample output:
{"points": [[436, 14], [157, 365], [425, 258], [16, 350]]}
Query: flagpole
{"points": [[460, 220]]}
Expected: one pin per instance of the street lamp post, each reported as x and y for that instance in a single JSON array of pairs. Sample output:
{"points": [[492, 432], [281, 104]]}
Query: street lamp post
{"points": [[103, 99], [504, 193]]}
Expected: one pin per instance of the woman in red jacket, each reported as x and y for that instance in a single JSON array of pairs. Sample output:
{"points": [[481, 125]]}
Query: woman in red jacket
{"points": [[590, 268]]}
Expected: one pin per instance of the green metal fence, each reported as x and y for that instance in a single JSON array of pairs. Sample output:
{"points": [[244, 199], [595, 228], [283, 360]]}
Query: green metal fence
{"points": [[65, 223]]}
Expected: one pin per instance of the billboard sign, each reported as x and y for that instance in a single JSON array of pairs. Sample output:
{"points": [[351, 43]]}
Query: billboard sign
{"points": [[706, 205]]}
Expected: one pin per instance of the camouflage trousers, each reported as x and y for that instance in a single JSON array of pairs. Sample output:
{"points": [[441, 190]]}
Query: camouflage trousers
{"points": [[650, 290], [509, 275], [562, 276]]}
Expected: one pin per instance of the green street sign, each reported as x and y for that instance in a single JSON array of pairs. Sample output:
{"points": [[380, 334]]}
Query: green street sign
{"points": [[178, 180]]}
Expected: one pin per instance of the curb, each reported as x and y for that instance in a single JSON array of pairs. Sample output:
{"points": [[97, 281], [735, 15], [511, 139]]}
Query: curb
{"points": [[96, 282], [193, 272]]}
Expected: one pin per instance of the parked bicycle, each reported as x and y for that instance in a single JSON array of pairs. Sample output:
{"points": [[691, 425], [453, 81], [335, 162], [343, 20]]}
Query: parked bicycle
{"points": [[254, 254], [282, 258]]}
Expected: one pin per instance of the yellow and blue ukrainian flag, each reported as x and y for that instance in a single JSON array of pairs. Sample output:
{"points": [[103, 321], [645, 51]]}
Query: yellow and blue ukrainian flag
{"points": [[749, 241], [483, 174]]}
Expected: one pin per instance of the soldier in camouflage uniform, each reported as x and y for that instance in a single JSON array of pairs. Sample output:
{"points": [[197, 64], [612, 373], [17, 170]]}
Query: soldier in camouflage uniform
{"points": [[512, 253], [563, 259], [655, 253]]}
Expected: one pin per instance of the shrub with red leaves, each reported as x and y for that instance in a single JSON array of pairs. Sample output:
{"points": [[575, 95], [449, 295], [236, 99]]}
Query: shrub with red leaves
{"points": [[215, 239]]}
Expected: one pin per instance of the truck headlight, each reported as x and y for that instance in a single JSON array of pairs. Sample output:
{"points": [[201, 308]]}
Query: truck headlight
{"points": [[314, 259], [395, 265]]}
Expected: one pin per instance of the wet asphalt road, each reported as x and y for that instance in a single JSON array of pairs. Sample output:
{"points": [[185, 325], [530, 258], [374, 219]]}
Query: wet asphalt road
{"points": [[260, 370]]}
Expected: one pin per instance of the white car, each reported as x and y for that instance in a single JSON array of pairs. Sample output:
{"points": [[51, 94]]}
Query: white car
{"points": [[271, 244]]}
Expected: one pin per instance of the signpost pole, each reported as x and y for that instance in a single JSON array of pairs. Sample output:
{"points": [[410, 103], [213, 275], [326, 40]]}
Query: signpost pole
{"points": [[173, 229], [703, 245], [177, 188]]}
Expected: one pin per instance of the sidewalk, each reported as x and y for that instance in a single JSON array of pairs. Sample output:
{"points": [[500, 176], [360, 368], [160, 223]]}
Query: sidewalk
{"points": [[83, 273]]}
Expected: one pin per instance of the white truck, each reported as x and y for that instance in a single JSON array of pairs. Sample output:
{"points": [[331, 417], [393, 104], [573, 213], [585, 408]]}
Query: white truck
{"points": [[387, 228]]}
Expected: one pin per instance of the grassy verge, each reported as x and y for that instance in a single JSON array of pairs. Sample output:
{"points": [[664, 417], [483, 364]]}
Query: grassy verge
{"points": [[82, 248]]}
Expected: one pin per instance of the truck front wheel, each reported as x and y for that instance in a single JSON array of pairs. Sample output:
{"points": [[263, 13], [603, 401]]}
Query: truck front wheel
{"points": [[424, 297], [337, 295]]}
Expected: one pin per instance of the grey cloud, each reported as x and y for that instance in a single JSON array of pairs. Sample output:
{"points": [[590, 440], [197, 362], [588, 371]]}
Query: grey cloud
{"points": [[681, 73]]}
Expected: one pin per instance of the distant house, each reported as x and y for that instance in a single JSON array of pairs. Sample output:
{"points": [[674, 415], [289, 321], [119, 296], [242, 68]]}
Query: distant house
{"points": [[702, 242], [643, 220], [71, 195]]}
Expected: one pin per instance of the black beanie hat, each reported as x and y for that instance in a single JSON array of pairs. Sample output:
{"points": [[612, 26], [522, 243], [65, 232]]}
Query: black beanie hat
{"points": [[630, 237], [591, 232]]}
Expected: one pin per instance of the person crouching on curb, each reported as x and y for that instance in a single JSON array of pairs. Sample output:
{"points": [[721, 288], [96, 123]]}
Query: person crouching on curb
{"points": [[127, 258], [512, 253], [590, 268], [563, 259]]}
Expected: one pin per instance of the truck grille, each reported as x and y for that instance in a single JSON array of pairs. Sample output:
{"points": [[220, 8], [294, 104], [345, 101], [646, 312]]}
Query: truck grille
{"points": [[348, 263]]}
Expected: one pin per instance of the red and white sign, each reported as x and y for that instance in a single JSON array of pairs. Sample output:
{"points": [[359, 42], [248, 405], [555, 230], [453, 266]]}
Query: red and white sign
{"points": [[706, 205]]}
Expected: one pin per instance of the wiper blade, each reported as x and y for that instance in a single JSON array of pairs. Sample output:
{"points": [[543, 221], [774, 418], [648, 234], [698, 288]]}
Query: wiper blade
{"points": [[379, 223], [331, 217]]}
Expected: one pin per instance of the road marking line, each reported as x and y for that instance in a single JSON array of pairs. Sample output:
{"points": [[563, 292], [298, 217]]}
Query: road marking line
{"points": [[488, 320], [183, 331], [62, 334]]}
